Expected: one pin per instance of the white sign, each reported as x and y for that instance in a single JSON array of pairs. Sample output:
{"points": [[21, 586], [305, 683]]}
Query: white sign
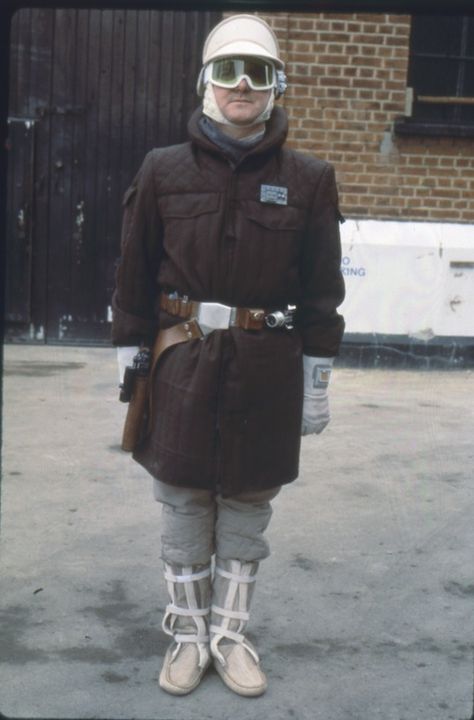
{"points": [[408, 278]]}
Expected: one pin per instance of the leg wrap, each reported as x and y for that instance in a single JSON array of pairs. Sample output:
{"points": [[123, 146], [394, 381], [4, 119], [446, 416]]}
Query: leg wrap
{"points": [[233, 588], [186, 617]]}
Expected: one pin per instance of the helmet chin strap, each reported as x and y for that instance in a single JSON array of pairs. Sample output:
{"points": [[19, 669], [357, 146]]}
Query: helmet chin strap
{"points": [[212, 110]]}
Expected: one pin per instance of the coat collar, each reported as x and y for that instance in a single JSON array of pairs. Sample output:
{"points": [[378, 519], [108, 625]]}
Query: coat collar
{"points": [[275, 133]]}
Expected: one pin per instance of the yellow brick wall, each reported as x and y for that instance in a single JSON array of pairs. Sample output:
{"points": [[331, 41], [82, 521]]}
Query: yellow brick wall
{"points": [[347, 78]]}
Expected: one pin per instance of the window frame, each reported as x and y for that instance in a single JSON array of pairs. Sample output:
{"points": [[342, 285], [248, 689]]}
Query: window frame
{"points": [[412, 123]]}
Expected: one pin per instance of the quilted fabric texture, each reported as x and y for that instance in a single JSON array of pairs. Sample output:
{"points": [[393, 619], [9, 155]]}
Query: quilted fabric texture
{"points": [[227, 409]]}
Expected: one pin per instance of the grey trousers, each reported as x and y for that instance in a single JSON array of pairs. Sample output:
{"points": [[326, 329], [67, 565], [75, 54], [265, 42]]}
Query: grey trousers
{"points": [[198, 523]]}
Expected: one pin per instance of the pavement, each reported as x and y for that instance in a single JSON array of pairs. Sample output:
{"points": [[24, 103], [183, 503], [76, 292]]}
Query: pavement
{"points": [[364, 611]]}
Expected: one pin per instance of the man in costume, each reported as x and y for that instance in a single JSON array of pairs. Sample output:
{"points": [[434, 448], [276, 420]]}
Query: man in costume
{"points": [[232, 239]]}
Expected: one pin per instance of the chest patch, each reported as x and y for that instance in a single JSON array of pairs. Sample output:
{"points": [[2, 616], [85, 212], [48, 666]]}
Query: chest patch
{"points": [[273, 194]]}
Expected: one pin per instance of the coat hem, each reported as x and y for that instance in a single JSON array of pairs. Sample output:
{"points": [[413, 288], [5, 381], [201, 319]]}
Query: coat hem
{"points": [[214, 486]]}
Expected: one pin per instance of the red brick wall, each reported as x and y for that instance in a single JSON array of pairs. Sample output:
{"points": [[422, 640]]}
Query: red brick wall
{"points": [[347, 80]]}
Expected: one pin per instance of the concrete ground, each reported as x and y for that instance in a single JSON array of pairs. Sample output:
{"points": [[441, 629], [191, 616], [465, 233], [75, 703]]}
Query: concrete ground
{"points": [[365, 610]]}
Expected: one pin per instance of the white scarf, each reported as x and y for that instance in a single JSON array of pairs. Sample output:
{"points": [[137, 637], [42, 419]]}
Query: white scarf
{"points": [[211, 109]]}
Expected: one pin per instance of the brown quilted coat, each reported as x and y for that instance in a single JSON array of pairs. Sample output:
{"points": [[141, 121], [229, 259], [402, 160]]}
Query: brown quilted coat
{"points": [[227, 409]]}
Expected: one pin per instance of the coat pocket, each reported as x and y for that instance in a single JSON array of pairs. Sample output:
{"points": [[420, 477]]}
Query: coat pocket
{"points": [[274, 217], [190, 223], [269, 238]]}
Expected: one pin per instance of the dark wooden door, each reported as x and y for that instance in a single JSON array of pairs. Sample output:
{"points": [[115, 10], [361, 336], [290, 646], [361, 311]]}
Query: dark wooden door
{"points": [[103, 87], [20, 144]]}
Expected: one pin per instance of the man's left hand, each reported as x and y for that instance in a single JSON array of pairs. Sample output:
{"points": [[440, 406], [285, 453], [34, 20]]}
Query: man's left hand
{"points": [[317, 372]]}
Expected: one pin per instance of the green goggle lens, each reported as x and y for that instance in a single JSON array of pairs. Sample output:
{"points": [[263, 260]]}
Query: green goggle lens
{"points": [[228, 72]]}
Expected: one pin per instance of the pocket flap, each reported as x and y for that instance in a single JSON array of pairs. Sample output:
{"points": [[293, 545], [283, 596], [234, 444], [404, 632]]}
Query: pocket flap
{"points": [[274, 217]]}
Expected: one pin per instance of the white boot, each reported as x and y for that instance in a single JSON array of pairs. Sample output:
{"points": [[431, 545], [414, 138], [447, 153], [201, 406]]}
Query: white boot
{"points": [[235, 658], [186, 620]]}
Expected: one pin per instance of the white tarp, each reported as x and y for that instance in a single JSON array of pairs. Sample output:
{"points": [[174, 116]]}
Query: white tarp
{"points": [[408, 278]]}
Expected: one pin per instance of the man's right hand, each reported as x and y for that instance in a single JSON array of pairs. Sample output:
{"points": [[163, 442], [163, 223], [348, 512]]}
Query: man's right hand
{"points": [[125, 355]]}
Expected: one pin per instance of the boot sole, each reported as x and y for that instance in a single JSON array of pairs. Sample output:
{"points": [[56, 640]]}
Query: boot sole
{"points": [[174, 689]]}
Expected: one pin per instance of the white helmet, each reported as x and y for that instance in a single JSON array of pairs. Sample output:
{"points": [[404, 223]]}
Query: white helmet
{"points": [[241, 36]]}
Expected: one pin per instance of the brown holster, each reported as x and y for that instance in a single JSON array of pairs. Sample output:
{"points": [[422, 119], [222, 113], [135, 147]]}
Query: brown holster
{"points": [[140, 406]]}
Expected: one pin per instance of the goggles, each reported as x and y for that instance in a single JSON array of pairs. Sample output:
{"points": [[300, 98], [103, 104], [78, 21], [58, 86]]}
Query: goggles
{"points": [[228, 72]]}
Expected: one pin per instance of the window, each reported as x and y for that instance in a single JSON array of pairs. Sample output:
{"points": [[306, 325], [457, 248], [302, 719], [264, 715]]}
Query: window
{"points": [[440, 90]]}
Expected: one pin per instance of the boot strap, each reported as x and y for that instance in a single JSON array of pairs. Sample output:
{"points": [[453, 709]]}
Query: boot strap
{"points": [[188, 612], [182, 638], [201, 645], [236, 578], [230, 634], [171, 612], [221, 633], [218, 632], [232, 614], [191, 577]]}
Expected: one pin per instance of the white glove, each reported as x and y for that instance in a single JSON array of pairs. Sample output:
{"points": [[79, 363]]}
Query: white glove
{"points": [[125, 355], [317, 372]]}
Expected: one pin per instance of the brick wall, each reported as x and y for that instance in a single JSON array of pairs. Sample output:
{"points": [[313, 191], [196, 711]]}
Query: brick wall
{"points": [[347, 79]]}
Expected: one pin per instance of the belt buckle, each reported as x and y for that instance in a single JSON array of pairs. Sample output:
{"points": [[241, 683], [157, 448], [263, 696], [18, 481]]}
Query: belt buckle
{"points": [[213, 316]]}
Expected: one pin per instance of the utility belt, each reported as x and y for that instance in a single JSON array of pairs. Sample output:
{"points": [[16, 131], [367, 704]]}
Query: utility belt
{"points": [[216, 316], [199, 319]]}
